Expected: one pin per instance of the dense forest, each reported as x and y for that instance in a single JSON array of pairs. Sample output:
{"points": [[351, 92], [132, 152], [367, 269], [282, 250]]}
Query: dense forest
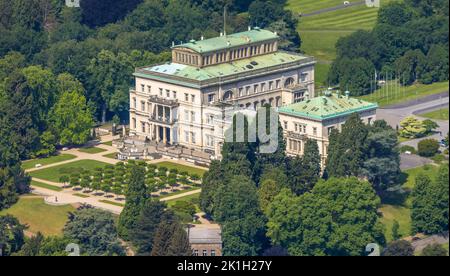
{"points": [[408, 43]]}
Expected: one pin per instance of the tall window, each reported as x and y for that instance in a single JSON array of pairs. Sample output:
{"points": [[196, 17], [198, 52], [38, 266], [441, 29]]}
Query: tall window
{"points": [[186, 136], [193, 138], [193, 98], [134, 103], [142, 88]]}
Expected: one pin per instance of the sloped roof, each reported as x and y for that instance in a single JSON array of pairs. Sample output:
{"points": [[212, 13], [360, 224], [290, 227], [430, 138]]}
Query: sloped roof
{"points": [[327, 107]]}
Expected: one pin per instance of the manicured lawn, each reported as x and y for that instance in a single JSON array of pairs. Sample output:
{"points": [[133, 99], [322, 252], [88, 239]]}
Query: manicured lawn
{"points": [[108, 143], [182, 168], [188, 198], [413, 92], [112, 203], [399, 213], [111, 155], [440, 114], [179, 192], [321, 75], [46, 186], [411, 174], [29, 164], [307, 6], [40, 217], [320, 43], [54, 173], [81, 195], [91, 150]]}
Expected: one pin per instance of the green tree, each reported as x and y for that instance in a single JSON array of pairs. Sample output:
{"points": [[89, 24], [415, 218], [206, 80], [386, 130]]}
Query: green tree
{"points": [[428, 147], [11, 235], [72, 119], [346, 150], [338, 217], [136, 197], [412, 128], [382, 159], [268, 190], [395, 228], [399, 248], [143, 233], [170, 239], [429, 212], [111, 75], [434, 250], [95, 231]]}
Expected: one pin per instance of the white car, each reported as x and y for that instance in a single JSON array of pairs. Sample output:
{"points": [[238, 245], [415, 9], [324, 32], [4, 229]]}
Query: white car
{"points": [[346, 3]]}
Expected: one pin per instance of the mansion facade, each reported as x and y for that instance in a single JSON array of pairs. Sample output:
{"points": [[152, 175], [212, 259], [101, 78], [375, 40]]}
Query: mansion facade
{"points": [[186, 103]]}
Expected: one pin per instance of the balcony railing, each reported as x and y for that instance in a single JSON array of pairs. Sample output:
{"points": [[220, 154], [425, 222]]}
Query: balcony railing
{"points": [[162, 101], [162, 120]]}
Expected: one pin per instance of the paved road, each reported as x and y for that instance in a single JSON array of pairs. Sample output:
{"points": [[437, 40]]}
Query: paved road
{"points": [[408, 161], [335, 8], [395, 115], [421, 244]]}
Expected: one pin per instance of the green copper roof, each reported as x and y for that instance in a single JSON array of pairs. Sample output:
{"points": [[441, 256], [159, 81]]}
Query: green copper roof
{"points": [[229, 41], [181, 72], [327, 107]]}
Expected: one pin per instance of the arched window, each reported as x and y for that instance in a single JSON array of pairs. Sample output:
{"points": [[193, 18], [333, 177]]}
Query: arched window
{"points": [[289, 82], [228, 95]]}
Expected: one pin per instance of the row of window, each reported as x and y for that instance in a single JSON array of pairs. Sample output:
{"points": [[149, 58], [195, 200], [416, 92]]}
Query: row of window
{"points": [[300, 128], [168, 94], [204, 253], [187, 58], [238, 54]]}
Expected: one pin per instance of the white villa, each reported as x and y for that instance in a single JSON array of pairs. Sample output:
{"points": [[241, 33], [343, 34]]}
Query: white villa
{"points": [[180, 107]]}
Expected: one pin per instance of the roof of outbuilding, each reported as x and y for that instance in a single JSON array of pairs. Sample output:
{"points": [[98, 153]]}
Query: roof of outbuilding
{"points": [[328, 106]]}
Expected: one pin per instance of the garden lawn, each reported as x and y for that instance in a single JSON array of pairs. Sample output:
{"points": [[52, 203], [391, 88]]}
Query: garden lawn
{"points": [[91, 150], [46, 186], [111, 155], [408, 93], [188, 198], [54, 173], [182, 168], [40, 217], [399, 213], [179, 192], [440, 114], [29, 164], [307, 6]]}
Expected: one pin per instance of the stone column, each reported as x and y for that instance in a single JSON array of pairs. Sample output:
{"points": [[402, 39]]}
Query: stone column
{"points": [[164, 135]]}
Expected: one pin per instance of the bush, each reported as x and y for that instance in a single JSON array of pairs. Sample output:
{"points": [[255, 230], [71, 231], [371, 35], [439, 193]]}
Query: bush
{"points": [[438, 158], [184, 207], [428, 147], [411, 149], [434, 250]]}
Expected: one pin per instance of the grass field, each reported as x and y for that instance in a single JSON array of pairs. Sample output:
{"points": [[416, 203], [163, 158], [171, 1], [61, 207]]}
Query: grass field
{"points": [[40, 217], [182, 168], [46, 186], [112, 203], [188, 198], [399, 213], [29, 164], [179, 192], [108, 143], [54, 173], [440, 114], [111, 155], [387, 96], [91, 150], [307, 6]]}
